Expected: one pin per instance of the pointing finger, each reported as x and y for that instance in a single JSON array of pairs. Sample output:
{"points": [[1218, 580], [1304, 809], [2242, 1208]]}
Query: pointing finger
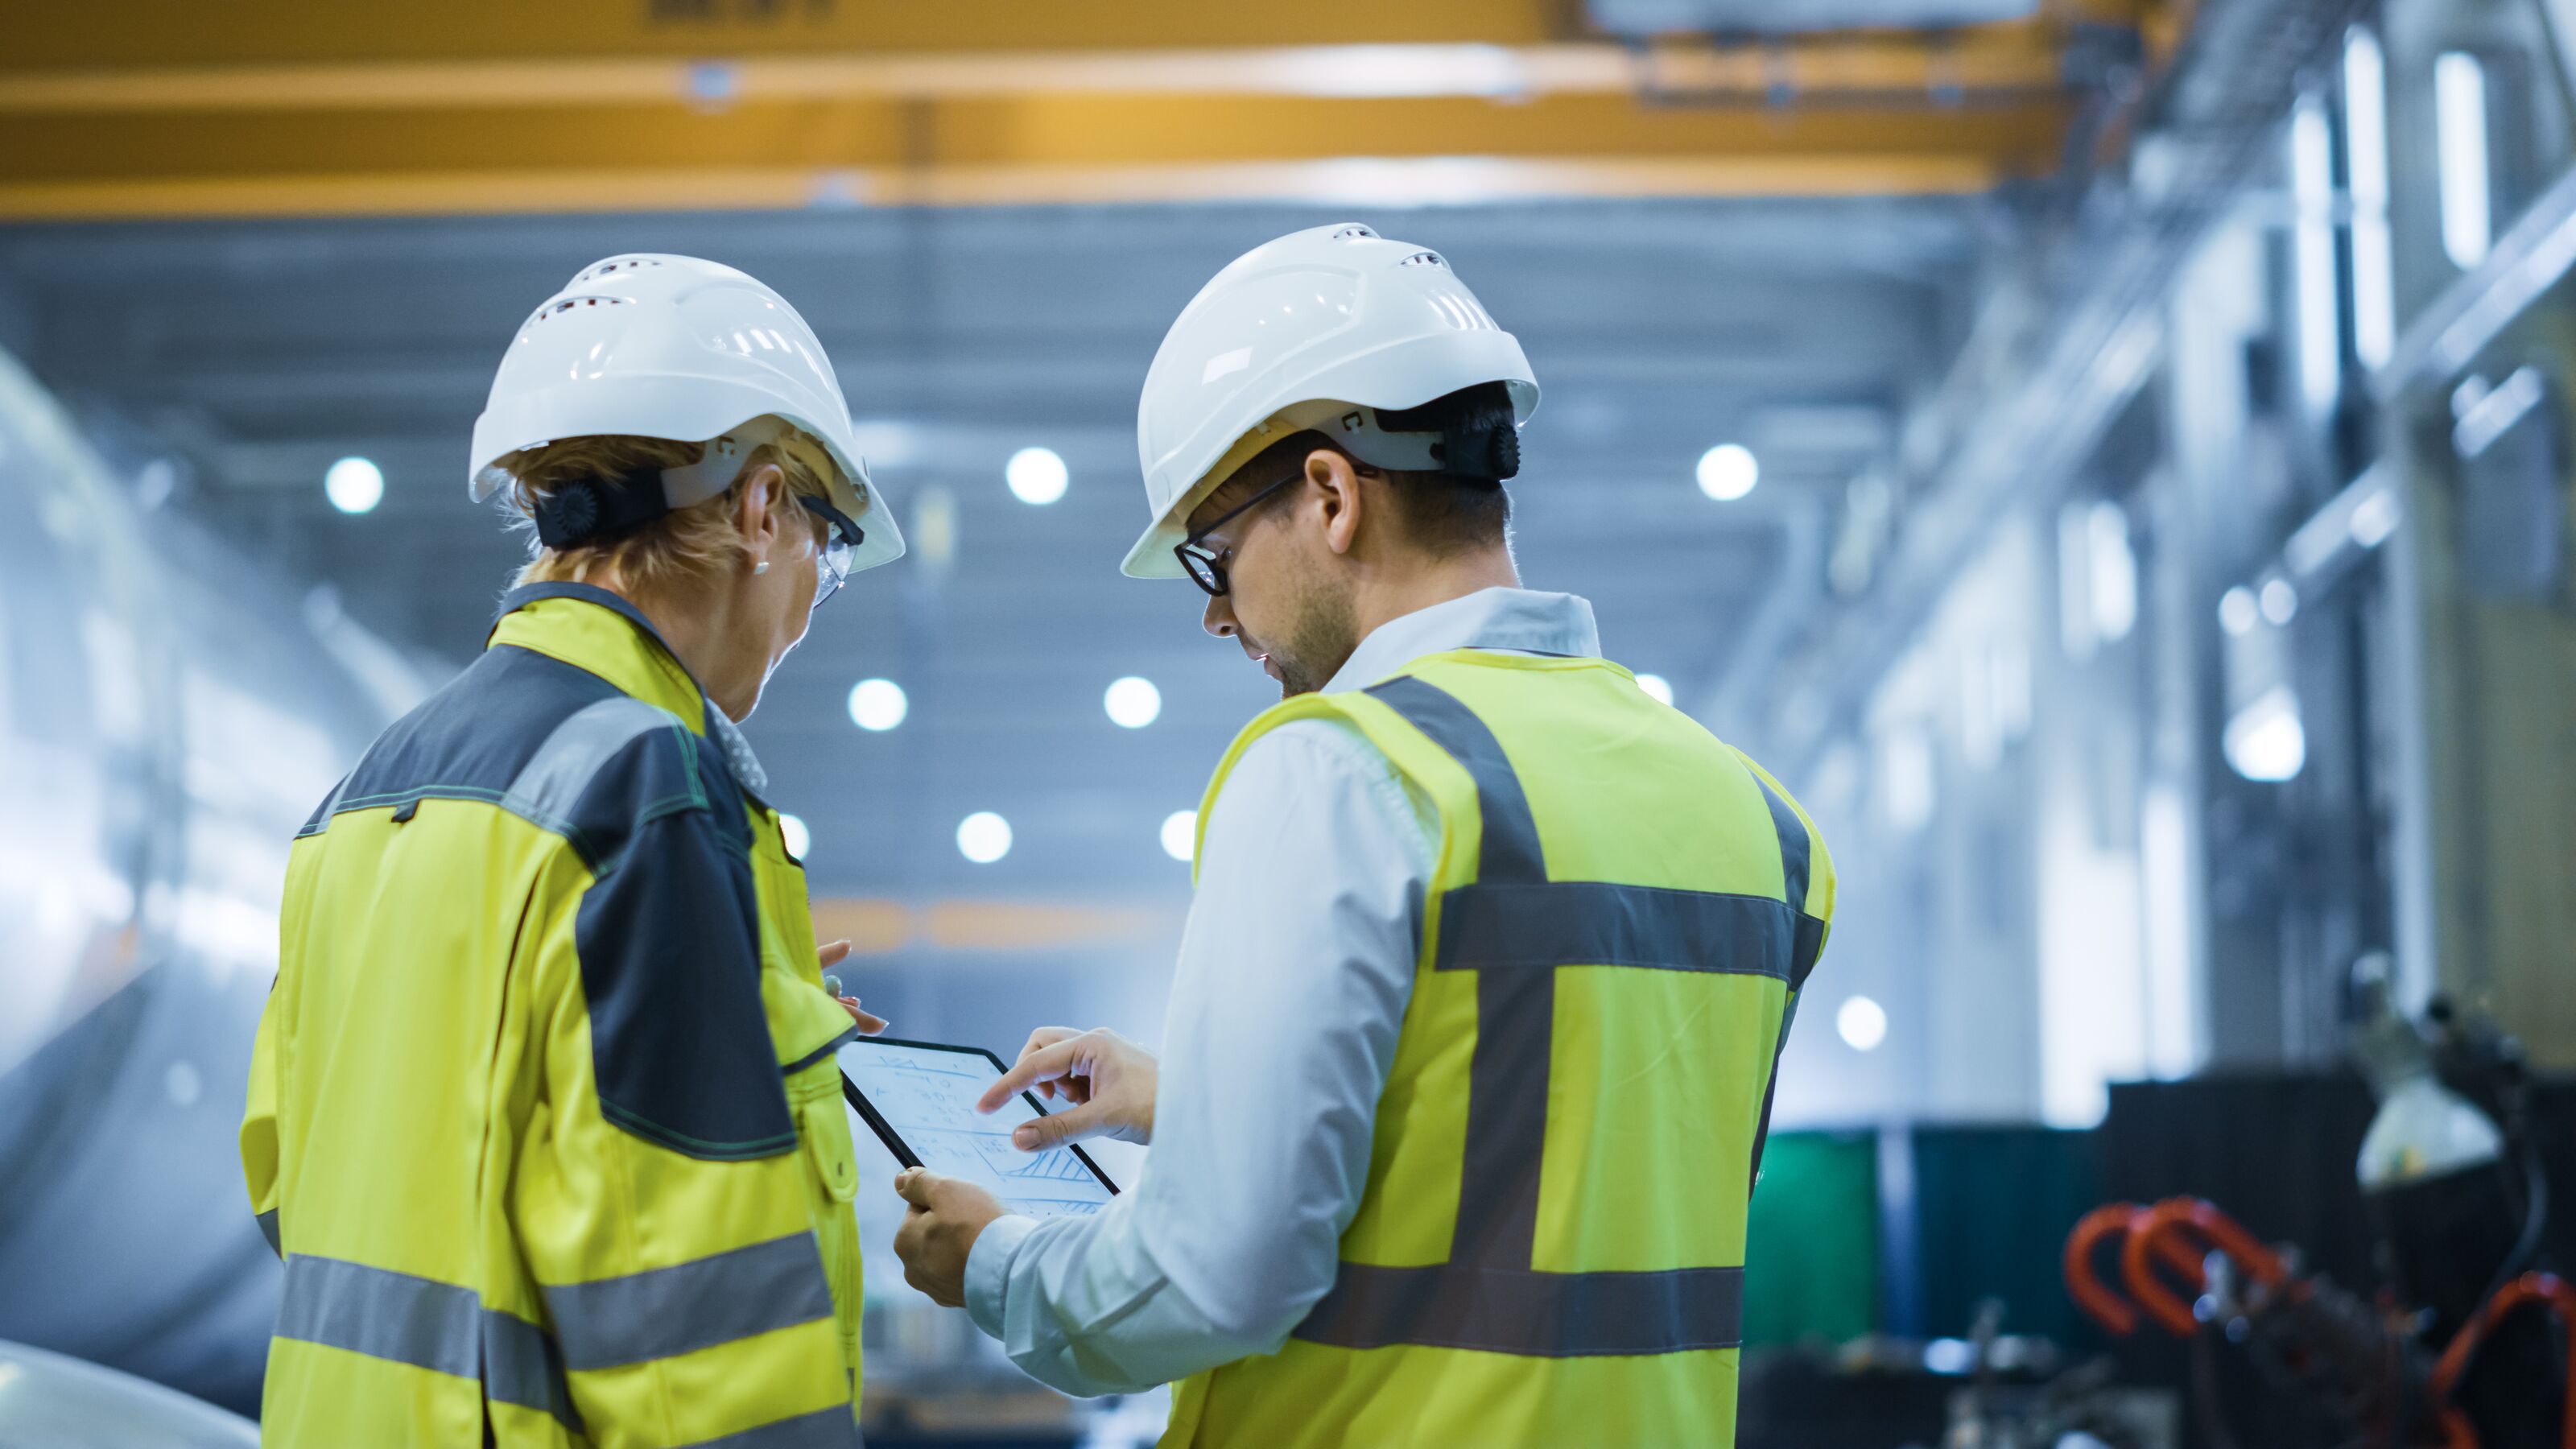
{"points": [[1047, 1036], [1037, 1066]]}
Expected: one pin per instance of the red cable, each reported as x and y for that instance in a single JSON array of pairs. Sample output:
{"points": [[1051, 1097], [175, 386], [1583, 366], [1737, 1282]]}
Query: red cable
{"points": [[2544, 1288]]}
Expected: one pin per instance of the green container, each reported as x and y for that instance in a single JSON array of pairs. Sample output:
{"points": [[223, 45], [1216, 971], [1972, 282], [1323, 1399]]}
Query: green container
{"points": [[1811, 1246]]}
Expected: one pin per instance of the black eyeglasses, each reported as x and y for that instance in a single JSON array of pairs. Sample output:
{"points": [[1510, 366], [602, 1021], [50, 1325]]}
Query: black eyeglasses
{"points": [[1204, 568], [832, 564]]}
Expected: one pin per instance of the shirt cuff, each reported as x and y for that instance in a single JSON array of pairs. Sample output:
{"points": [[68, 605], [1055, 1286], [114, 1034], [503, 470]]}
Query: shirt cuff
{"points": [[988, 1269]]}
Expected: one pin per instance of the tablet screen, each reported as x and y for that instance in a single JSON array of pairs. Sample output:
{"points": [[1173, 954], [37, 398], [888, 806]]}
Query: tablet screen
{"points": [[925, 1094]]}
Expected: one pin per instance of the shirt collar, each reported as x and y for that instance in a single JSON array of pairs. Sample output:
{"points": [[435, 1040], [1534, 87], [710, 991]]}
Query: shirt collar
{"points": [[1522, 621], [645, 667]]}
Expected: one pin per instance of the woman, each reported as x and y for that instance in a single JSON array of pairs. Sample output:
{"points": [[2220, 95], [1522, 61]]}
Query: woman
{"points": [[543, 1116]]}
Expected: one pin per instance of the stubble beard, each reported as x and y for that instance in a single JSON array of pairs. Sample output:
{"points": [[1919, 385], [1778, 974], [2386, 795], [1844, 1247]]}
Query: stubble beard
{"points": [[1318, 643]]}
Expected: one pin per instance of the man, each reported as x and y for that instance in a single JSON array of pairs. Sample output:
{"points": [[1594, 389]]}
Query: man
{"points": [[543, 1114], [1473, 1032]]}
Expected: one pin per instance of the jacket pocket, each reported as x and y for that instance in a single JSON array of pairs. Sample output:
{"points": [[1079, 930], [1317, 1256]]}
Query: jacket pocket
{"points": [[834, 1172]]}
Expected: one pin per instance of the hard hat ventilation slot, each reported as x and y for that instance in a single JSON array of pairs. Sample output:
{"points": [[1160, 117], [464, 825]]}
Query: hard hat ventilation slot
{"points": [[566, 304], [1351, 233], [1423, 259], [630, 264]]}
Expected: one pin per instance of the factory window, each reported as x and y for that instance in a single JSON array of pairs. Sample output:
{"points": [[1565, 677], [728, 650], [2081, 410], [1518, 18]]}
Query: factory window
{"points": [[2097, 577], [2374, 285], [2319, 287], [2461, 129], [1907, 778]]}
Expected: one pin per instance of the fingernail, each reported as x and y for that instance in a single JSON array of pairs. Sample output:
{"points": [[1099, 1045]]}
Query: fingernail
{"points": [[1025, 1136]]}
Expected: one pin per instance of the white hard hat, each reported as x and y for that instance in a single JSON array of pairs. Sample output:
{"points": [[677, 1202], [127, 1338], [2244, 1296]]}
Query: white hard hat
{"points": [[1298, 333], [657, 346]]}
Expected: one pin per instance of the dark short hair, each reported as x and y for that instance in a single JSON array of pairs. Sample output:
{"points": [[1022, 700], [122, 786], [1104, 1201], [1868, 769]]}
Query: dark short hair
{"points": [[1445, 513]]}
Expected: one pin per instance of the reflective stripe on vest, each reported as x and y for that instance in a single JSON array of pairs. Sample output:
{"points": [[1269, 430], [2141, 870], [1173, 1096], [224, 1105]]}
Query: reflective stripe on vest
{"points": [[680, 1309], [1807, 946], [658, 1313], [442, 1327], [1513, 927]]}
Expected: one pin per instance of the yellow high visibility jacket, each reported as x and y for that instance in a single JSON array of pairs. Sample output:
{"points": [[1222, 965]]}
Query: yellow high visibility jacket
{"points": [[1550, 1247], [543, 1115]]}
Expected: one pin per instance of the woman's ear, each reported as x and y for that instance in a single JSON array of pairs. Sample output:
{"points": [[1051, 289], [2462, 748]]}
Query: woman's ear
{"points": [[759, 515]]}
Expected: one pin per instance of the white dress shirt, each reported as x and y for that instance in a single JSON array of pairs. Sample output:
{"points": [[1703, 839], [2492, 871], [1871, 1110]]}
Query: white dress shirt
{"points": [[1295, 968]]}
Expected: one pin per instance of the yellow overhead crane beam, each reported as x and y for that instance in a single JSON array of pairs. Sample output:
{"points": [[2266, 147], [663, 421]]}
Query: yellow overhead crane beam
{"points": [[268, 107]]}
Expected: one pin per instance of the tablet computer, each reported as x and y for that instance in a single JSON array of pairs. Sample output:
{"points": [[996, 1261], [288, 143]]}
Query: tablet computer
{"points": [[919, 1098]]}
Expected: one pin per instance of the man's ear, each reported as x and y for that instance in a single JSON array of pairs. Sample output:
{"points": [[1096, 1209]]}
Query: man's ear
{"points": [[1339, 485]]}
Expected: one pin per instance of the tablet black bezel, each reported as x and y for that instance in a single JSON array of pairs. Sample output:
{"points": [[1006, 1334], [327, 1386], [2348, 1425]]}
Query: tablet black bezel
{"points": [[893, 1140]]}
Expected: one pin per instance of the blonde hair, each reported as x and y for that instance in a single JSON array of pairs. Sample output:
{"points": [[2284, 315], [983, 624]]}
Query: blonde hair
{"points": [[682, 549]]}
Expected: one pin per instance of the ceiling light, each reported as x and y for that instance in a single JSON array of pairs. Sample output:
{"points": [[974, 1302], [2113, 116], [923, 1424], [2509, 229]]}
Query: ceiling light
{"points": [[1133, 703], [2280, 601], [983, 837], [1658, 686], [2266, 740], [1036, 475], [792, 830], [2374, 518], [2237, 611], [1728, 472], [1181, 834], [877, 705], [1862, 1023], [354, 485]]}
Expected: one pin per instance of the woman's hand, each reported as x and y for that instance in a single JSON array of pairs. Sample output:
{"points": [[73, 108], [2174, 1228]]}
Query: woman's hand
{"points": [[831, 956], [1109, 1079]]}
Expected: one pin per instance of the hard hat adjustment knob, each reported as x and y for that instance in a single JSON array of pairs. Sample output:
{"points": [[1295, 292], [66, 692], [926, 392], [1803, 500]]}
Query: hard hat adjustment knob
{"points": [[596, 510], [567, 515]]}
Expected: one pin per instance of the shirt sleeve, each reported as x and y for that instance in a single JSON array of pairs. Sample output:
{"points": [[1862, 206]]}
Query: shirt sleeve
{"points": [[1295, 969]]}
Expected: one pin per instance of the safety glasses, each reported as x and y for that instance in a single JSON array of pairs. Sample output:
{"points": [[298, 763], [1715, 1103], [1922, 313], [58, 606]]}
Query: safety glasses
{"points": [[840, 545], [1206, 569]]}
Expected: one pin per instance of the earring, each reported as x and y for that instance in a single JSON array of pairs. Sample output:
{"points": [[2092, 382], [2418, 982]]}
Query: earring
{"points": [[761, 567]]}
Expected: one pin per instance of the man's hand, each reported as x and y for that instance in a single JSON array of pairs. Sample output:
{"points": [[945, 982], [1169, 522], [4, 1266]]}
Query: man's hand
{"points": [[947, 1216], [1109, 1079], [831, 956]]}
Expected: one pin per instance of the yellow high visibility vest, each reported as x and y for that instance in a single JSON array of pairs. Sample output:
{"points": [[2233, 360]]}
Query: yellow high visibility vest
{"points": [[1550, 1247], [543, 1115]]}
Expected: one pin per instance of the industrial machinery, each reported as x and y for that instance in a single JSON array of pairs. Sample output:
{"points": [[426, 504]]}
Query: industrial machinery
{"points": [[48, 1398], [168, 715], [2470, 1346]]}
